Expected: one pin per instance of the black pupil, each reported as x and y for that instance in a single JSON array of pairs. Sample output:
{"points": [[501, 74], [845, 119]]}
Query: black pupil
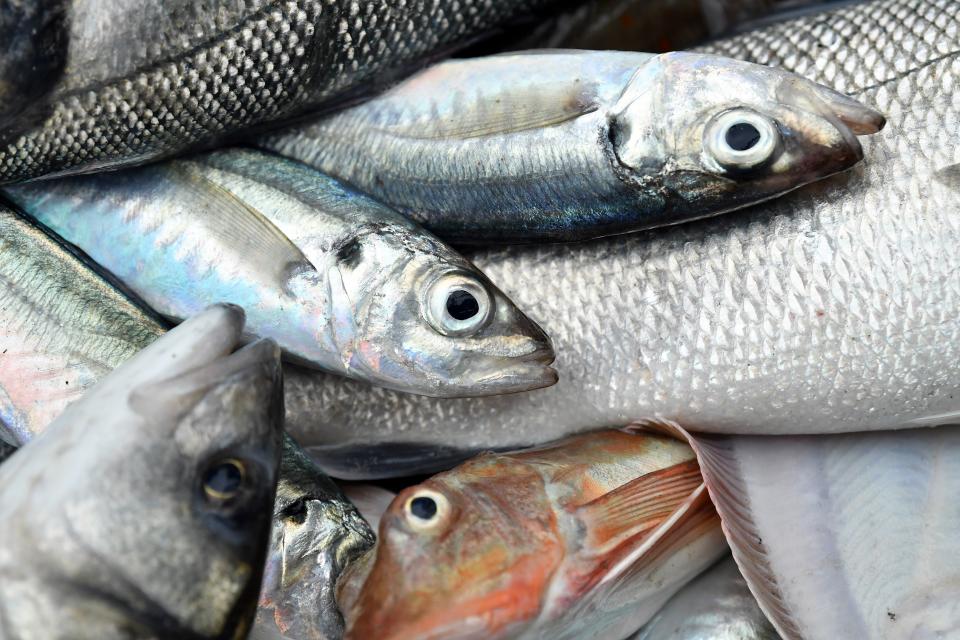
{"points": [[224, 478], [423, 508], [461, 305], [742, 136]]}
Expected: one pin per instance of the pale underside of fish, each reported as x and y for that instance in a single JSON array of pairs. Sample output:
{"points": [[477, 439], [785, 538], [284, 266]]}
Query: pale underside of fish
{"points": [[716, 605], [148, 79], [844, 535], [834, 309], [62, 328]]}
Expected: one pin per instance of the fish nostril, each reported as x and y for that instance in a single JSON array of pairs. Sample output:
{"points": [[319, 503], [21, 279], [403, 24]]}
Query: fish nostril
{"points": [[296, 511]]}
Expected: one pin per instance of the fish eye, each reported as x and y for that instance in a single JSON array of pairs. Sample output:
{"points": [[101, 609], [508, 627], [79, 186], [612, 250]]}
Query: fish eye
{"points": [[425, 509], [458, 304], [741, 139], [223, 480]]}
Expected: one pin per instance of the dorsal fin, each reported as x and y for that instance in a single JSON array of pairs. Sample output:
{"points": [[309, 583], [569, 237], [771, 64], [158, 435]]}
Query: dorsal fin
{"points": [[242, 227]]}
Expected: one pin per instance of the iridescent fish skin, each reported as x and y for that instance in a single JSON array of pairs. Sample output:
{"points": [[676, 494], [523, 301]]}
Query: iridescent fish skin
{"points": [[339, 281], [317, 533], [716, 605], [143, 511], [568, 145], [583, 538], [62, 327], [145, 79], [834, 308]]}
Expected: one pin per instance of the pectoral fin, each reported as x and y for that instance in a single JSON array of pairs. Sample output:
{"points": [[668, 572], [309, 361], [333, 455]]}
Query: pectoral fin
{"points": [[242, 227]]}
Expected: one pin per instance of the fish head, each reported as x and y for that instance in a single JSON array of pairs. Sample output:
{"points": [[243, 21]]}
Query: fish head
{"points": [[423, 319], [316, 534], [721, 134], [158, 484], [468, 554]]}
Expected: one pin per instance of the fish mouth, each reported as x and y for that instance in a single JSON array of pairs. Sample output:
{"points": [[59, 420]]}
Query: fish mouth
{"points": [[848, 116], [524, 373]]}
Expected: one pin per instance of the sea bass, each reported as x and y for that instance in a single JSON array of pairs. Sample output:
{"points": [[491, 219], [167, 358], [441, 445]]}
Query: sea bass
{"points": [[317, 533], [844, 535], [143, 510], [716, 605], [583, 538], [835, 308], [339, 281], [568, 145], [145, 80], [62, 328]]}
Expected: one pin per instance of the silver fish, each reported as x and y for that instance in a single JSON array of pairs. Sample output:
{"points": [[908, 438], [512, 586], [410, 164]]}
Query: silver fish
{"points": [[568, 145], [62, 328], [339, 281], [317, 533], [716, 605], [844, 535], [143, 510], [835, 308], [149, 78]]}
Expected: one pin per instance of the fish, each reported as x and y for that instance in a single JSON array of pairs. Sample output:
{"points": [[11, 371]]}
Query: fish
{"points": [[570, 145], [147, 80], [341, 282], [6, 450], [143, 511], [716, 605], [317, 533], [369, 499], [62, 328], [664, 25], [835, 308], [844, 535], [582, 538], [32, 60]]}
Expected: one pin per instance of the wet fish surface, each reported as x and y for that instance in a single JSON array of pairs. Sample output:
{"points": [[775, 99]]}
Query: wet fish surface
{"points": [[145, 80], [62, 328], [834, 308], [143, 510], [844, 535], [317, 533], [716, 605], [569, 145], [339, 281], [581, 538]]}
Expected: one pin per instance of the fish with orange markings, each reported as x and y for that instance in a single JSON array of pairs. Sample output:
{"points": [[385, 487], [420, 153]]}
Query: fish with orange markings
{"points": [[585, 537]]}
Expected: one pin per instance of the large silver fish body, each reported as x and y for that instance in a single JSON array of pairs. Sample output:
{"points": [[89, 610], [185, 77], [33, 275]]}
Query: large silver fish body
{"points": [[146, 79], [717, 605], [62, 328], [317, 533], [835, 308], [143, 511], [338, 280], [568, 145]]}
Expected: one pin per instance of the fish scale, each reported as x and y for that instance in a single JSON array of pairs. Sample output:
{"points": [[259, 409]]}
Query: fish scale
{"points": [[832, 309], [261, 62]]}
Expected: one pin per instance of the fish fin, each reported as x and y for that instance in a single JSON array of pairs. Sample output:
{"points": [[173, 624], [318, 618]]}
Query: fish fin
{"points": [[639, 506], [950, 176], [228, 217], [480, 107], [722, 476]]}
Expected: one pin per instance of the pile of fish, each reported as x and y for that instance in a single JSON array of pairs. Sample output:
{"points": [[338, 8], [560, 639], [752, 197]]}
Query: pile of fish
{"points": [[309, 331]]}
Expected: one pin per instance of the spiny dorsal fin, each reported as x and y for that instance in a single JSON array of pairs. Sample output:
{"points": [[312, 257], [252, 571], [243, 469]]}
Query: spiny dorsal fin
{"points": [[242, 227]]}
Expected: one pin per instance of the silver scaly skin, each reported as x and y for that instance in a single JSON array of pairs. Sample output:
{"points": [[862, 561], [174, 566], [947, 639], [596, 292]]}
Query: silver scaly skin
{"points": [[147, 79], [338, 280], [317, 533], [716, 605], [143, 511], [833, 309], [568, 145], [62, 328]]}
